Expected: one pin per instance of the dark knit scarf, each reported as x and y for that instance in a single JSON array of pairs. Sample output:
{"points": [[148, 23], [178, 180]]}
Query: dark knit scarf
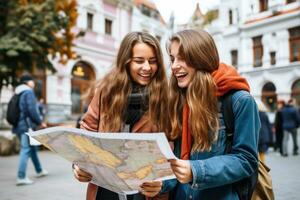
{"points": [[138, 101]]}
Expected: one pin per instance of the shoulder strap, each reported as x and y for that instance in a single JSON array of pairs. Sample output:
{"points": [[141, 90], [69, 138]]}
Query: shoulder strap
{"points": [[228, 117]]}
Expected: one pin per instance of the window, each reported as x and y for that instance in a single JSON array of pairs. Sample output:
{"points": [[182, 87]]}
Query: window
{"points": [[230, 17], [108, 27], [257, 51], [294, 41], [90, 21], [273, 58], [290, 1], [145, 10], [234, 58], [263, 5], [268, 95]]}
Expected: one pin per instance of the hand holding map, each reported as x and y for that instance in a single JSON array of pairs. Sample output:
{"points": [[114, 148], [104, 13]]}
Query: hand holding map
{"points": [[119, 162]]}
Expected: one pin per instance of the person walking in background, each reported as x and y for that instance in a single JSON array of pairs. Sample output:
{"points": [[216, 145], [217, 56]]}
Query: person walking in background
{"points": [[132, 97], [278, 125], [29, 119], [198, 81], [42, 108], [290, 123], [265, 131]]}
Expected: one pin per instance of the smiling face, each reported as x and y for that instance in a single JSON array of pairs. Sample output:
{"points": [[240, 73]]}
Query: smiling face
{"points": [[143, 65], [181, 71]]}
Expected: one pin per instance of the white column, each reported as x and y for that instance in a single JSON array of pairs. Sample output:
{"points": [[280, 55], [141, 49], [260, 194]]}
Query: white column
{"points": [[282, 40]]}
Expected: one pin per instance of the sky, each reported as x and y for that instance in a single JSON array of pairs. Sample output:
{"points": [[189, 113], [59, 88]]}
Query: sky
{"points": [[183, 9]]}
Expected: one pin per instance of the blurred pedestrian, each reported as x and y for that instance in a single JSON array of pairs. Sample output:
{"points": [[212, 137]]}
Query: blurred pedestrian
{"points": [[205, 169], [265, 132], [132, 97], [290, 123], [42, 108], [29, 119], [278, 126]]}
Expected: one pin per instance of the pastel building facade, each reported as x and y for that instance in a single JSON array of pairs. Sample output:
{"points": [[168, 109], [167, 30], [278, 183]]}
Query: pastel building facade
{"points": [[105, 22]]}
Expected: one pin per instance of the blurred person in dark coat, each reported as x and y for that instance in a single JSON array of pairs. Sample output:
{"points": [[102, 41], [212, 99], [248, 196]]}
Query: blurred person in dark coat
{"points": [[278, 125], [29, 119], [265, 132], [290, 123]]}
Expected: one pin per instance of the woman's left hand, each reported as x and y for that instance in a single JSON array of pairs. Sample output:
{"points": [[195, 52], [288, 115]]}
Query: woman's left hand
{"points": [[182, 170], [151, 188]]}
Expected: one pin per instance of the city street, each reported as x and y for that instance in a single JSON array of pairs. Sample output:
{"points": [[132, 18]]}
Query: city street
{"points": [[60, 184]]}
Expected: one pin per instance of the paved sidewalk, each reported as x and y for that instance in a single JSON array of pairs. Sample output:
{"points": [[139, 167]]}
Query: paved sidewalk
{"points": [[58, 185], [61, 185]]}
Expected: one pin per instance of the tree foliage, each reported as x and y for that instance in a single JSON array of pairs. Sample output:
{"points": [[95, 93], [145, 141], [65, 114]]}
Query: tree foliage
{"points": [[32, 31], [210, 16]]}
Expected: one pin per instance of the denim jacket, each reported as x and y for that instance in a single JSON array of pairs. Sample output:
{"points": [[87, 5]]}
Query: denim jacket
{"points": [[214, 171]]}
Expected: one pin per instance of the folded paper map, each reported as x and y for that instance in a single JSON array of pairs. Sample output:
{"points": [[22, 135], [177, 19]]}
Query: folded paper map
{"points": [[119, 162]]}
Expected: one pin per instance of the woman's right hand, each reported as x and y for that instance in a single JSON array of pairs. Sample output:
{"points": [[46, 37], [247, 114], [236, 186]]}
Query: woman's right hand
{"points": [[81, 175]]}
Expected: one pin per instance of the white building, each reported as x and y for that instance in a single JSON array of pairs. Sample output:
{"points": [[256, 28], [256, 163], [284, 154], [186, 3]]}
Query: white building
{"points": [[262, 39]]}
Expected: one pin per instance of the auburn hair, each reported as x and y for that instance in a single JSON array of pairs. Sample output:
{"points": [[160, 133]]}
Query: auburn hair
{"points": [[115, 87], [198, 50]]}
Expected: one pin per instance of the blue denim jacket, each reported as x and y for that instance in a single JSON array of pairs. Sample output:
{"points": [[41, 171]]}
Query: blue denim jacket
{"points": [[214, 171]]}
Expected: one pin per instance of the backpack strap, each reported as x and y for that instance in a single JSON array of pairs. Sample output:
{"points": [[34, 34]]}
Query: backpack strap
{"points": [[228, 116]]}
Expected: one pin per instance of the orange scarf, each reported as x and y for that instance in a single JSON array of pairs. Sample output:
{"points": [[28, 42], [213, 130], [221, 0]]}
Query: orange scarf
{"points": [[226, 78]]}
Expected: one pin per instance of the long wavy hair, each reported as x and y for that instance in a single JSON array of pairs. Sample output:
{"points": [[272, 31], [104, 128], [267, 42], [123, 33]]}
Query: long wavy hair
{"points": [[116, 86], [199, 51]]}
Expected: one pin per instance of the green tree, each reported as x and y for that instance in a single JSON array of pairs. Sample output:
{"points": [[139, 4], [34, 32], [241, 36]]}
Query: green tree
{"points": [[32, 31]]}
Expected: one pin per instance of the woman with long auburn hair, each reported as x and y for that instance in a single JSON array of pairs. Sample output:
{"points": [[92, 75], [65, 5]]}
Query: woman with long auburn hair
{"points": [[132, 97], [204, 169]]}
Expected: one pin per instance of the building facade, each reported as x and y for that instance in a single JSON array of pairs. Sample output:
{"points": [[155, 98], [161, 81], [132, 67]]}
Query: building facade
{"points": [[105, 23], [261, 38]]}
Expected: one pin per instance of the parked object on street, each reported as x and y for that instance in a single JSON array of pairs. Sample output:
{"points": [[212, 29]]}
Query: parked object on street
{"points": [[9, 146]]}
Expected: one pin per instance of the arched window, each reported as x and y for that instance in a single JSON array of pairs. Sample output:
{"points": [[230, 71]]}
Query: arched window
{"points": [[230, 17], [82, 76], [269, 96]]}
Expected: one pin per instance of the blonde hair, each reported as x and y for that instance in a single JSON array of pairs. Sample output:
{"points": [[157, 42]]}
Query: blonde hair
{"points": [[116, 86], [198, 50]]}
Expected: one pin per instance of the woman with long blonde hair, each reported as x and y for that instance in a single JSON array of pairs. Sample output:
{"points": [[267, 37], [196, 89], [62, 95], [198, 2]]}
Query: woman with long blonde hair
{"points": [[132, 97], [204, 169]]}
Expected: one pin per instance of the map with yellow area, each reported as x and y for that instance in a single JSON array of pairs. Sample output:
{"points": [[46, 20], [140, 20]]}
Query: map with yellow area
{"points": [[119, 162]]}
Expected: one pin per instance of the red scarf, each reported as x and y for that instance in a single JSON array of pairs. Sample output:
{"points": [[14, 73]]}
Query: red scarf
{"points": [[226, 78], [186, 142]]}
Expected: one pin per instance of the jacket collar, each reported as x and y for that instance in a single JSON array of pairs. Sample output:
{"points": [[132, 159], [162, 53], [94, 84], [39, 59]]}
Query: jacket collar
{"points": [[21, 88]]}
